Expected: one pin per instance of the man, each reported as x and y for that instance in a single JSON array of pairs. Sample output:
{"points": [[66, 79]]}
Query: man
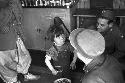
{"points": [[14, 57], [99, 68], [113, 37]]}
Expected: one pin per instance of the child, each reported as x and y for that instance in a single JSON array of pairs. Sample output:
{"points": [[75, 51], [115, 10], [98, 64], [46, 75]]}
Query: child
{"points": [[58, 56]]}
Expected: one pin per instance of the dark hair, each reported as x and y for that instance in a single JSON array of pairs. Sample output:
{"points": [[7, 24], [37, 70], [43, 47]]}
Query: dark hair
{"points": [[54, 31]]}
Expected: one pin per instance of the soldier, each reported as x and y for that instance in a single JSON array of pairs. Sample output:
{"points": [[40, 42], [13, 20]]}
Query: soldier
{"points": [[99, 67], [113, 37]]}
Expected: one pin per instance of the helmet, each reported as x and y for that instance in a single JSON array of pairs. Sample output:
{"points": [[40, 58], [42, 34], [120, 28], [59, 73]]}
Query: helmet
{"points": [[108, 14], [88, 42]]}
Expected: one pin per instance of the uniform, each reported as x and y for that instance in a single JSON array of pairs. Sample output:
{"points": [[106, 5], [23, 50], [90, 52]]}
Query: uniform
{"points": [[103, 69], [99, 66], [114, 40]]}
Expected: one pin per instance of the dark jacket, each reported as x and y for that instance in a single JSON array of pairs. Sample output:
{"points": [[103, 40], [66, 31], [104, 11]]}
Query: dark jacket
{"points": [[103, 69]]}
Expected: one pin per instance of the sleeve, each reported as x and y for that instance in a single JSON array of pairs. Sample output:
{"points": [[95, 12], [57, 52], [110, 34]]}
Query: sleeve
{"points": [[48, 57], [11, 65], [119, 44], [50, 53], [120, 50]]}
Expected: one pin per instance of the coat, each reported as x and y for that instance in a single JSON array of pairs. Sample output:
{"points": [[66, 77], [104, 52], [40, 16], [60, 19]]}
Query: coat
{"points": [[103, 69]]}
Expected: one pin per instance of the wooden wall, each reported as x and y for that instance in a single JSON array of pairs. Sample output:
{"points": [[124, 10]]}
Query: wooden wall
{"points": [[37, 21], [115, 4]]}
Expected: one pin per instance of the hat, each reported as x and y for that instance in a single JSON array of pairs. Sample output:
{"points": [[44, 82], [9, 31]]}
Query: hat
{"points": [[88, 42], [58, 21], [108, 14]]}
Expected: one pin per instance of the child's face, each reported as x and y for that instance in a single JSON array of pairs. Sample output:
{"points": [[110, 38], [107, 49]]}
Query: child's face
{"points": [[60, 40]]}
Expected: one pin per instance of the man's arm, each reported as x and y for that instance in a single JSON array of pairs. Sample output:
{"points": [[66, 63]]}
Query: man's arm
{"points": [[73, 63], [119, 44], [75, 57]]}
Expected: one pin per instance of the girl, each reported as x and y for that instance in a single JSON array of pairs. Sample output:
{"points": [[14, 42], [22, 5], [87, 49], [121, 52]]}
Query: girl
{"points": [[58, 56]]}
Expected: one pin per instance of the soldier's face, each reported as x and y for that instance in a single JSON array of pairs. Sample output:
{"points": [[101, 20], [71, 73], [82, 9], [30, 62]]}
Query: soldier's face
{"points": [[102, 25]]}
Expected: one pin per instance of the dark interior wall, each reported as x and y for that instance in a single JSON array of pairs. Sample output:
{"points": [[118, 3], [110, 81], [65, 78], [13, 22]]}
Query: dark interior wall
{"points": [[85, 22], [101, 3], [122, 25]]}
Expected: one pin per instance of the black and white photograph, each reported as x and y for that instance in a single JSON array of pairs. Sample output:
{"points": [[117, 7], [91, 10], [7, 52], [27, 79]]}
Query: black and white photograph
{"points": [[62, 41]]}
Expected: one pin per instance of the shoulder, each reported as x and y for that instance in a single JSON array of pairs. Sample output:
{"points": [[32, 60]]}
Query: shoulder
{"points": [[51, 51], [93, 78], [116, 31]]}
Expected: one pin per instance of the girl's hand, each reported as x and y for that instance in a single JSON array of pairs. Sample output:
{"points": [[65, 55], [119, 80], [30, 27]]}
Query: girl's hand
{"points": [[54, 72], [72, 66]]}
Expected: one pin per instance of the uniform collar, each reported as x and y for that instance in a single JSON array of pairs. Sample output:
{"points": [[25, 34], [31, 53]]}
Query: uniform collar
{"points": [[106, 32], [95, 63]]}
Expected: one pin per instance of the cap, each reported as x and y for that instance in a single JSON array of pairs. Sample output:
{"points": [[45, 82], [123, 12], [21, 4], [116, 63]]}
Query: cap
{"points": [[58, 21], [108, 14], [88, 42]]}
